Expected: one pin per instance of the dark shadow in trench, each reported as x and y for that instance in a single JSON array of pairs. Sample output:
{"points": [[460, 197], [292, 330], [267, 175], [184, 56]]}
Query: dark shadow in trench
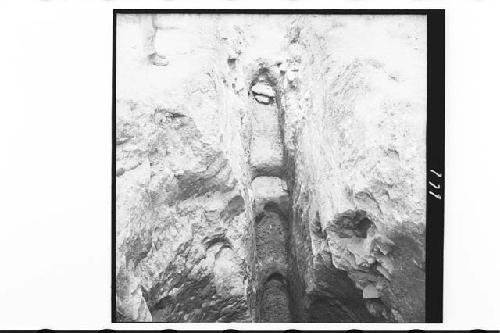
{"points": [[275, 302]]}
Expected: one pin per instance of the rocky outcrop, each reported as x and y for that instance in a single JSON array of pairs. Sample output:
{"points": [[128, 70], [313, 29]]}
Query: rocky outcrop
{"points": [[270, 168]]}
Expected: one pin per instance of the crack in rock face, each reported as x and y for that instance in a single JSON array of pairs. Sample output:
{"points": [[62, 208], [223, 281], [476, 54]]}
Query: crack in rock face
{"points": [[270, 168]]}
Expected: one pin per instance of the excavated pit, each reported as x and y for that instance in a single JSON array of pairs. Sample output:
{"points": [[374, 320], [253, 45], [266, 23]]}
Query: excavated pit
{"points": [[271, 204]]}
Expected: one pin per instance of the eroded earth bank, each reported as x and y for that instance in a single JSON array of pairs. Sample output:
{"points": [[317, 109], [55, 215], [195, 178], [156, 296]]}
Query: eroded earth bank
{"points": [[270, 168]]}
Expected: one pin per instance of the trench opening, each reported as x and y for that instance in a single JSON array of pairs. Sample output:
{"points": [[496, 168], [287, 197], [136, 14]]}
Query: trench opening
{"points": [[274, 267]]}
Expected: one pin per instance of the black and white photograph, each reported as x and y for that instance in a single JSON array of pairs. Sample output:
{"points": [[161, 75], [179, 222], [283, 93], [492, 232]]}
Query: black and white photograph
{"points": [[245, 166], [272, 167]]}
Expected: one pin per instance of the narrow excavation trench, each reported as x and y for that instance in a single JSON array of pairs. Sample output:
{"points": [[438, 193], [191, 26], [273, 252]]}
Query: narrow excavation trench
{"points": [[272, 246], [271, 205]]}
